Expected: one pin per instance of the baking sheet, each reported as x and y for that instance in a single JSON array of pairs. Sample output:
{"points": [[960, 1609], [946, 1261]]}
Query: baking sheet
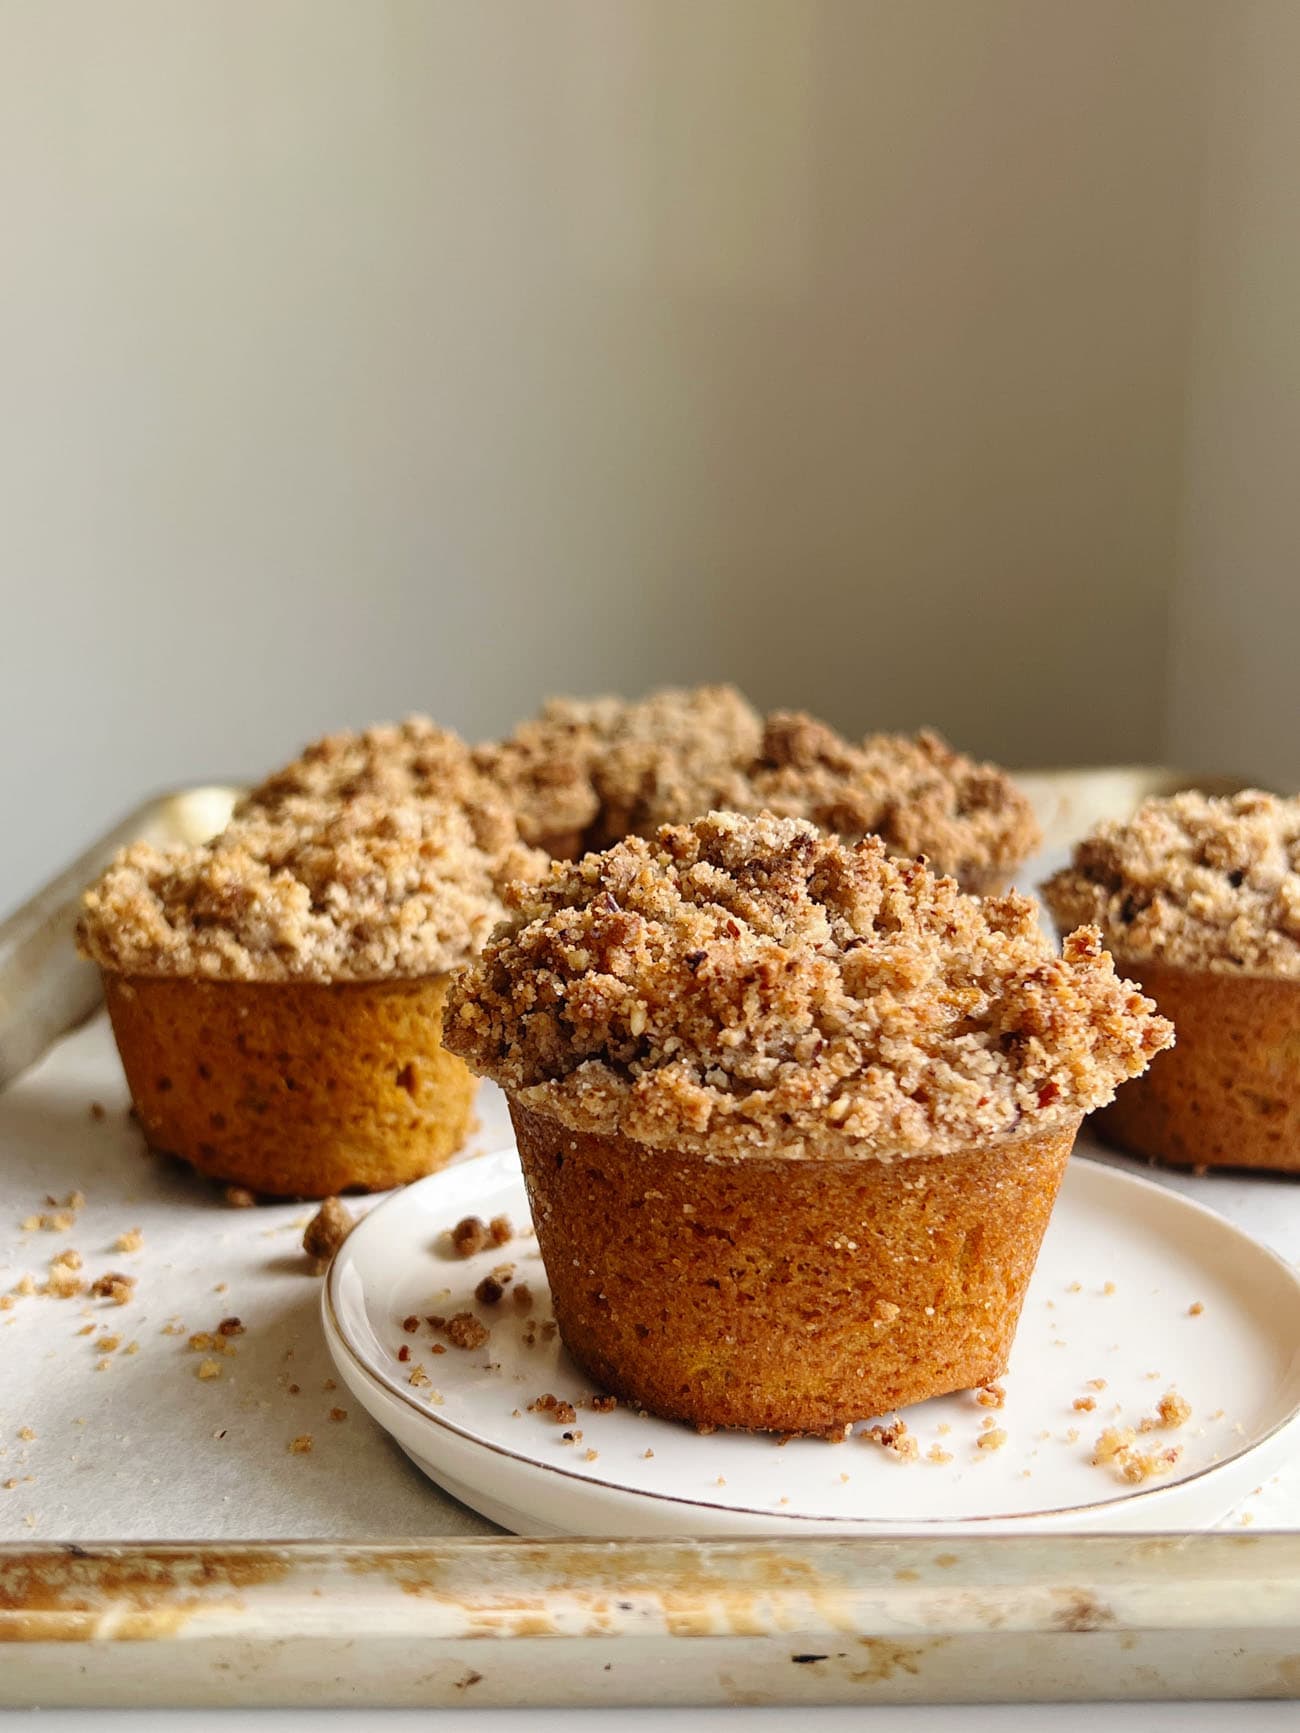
{"points": [[128, 1443]]}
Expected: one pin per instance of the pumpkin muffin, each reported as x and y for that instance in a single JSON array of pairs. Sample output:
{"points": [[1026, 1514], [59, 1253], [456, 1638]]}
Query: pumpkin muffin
{"points": [[277, 994], [1200, 899], [677, 754], [792, 1115]]}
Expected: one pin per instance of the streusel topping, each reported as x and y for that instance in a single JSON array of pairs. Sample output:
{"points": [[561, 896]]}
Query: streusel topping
{"points": [[318, 892], [611, 769], [592, 768], [968, 819], [750, 986], [394, 760], [1193, 881]]}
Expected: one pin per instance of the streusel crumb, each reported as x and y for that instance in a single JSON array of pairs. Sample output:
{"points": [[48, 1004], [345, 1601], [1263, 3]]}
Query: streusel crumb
{"points": [[464, 1330], [469, 1236], [745, 984], [1193, 881], [360, 892], [327, 1230], [1172, 1411]]}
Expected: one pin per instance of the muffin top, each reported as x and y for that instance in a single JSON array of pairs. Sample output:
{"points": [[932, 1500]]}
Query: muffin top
{"points": [[1193, 881], [395, 760], [749, 986], [611, 769], [364, 891], [594, 766], [920, 796]]}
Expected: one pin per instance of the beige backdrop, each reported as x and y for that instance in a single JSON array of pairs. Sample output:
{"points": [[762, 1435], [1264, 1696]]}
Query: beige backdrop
{"points": [[362, 357]]}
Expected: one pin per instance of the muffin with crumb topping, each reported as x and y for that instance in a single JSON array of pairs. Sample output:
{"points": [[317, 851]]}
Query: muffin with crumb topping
{"points": [[792, 1115], [1199, 898], [277, 994], [676, 754]]}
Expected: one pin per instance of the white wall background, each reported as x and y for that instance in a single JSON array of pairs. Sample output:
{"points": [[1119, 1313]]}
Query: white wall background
{"points": [[364, 355]]}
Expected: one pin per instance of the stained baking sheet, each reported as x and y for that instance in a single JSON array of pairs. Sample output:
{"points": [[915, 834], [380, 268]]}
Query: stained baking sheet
{"points": [[257, 1571]]}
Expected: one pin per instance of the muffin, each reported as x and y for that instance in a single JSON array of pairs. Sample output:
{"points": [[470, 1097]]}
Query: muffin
{"points": [[277, 994], [393, 761], [583, 773], [1199, 898], [677, 754], [792, 1115]]}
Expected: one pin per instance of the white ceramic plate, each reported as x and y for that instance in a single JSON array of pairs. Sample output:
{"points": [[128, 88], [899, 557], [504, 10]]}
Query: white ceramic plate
{"points": [[1135, 1286]]}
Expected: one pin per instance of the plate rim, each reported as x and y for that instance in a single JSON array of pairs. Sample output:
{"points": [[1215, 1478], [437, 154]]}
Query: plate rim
{"points": [[885, 1526]]}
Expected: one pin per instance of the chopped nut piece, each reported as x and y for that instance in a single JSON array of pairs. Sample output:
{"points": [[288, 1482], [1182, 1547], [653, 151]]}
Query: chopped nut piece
{"points": [[208, 1369], [130, 1241], [403, 1353], [411, 1324], [301, 1445], [489, 1291], [500, 1230], [469, 1236], [327, 1230], [230, 1327], [418, 1376], [466, 1331]]}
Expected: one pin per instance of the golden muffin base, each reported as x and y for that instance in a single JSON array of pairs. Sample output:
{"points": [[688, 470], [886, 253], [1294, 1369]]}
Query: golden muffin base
{"points": [[785, 1296], [1228, 1094], [296, 1088]]}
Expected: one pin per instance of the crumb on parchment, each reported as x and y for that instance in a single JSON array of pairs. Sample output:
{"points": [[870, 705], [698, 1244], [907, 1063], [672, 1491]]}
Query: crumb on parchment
{"points": [[326, 1231]]}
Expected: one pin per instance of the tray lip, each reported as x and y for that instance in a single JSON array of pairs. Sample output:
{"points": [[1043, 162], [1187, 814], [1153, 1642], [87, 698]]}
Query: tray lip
{"points": [[1265, 1543], [900, 1529]]}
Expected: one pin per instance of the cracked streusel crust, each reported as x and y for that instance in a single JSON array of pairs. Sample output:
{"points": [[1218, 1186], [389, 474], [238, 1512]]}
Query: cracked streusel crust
{"points": [[748, 985]]}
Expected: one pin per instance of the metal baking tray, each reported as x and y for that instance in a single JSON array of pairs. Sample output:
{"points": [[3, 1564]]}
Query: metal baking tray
{"points": [[493, 1620]]}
